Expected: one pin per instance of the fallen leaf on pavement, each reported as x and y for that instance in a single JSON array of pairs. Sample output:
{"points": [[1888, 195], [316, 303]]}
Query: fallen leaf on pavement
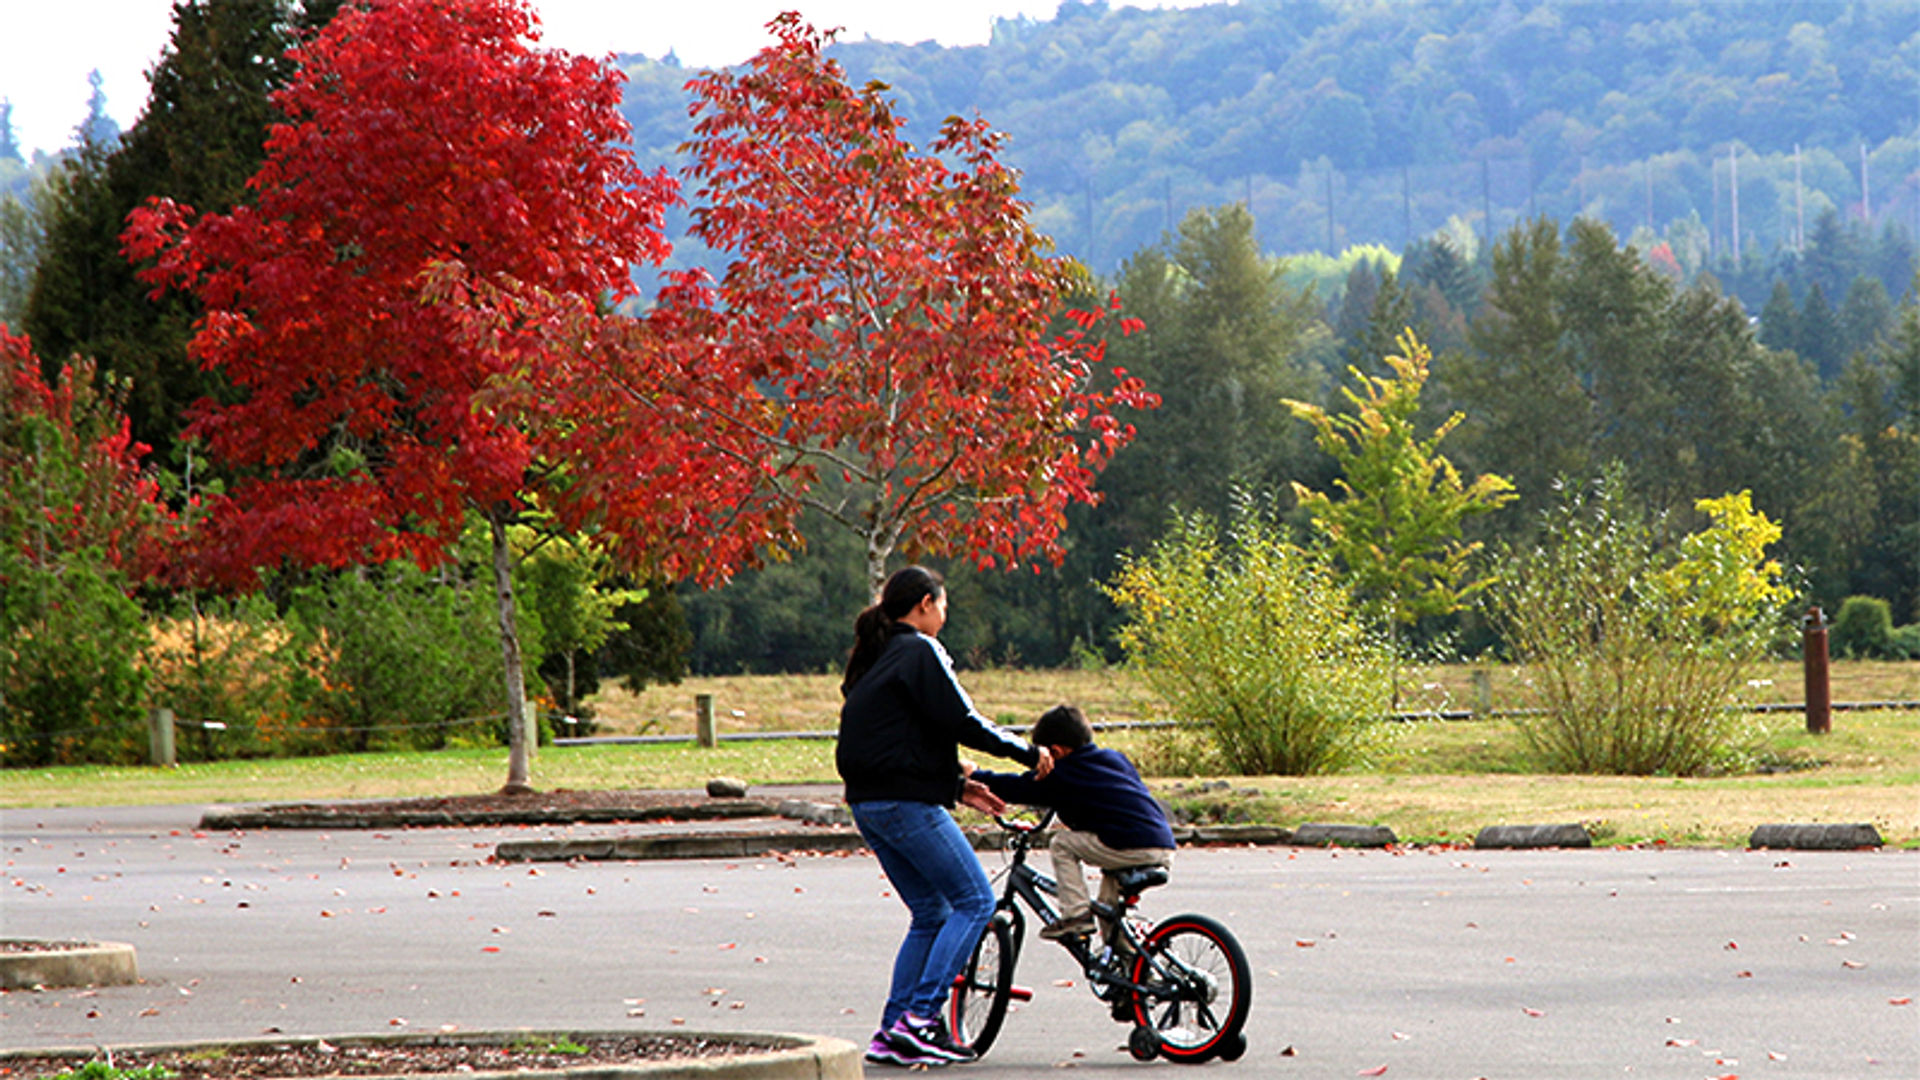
{"points": [[1377, 1070]]}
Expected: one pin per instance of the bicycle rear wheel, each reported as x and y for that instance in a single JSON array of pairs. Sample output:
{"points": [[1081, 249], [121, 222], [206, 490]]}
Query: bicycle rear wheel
{"points": [[978, 1005], [1198, 989]]}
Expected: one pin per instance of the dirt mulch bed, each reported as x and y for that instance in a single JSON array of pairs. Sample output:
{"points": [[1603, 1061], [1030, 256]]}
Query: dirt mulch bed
{"points": [[495, 808], [442, 1054]]}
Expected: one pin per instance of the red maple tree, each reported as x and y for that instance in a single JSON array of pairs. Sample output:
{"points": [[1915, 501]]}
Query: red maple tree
{"points": [[403, 305], [72, 472], [887, 319]]}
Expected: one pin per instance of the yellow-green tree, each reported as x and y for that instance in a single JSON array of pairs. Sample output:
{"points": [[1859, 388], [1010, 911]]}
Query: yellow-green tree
{"points": [[1394, 518]]}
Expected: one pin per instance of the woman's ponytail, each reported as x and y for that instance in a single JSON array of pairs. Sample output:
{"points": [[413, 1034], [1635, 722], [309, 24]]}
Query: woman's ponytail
{"points": [[901, 594]]}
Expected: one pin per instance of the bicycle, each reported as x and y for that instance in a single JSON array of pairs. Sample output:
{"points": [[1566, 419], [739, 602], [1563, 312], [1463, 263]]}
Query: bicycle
{"points": [[1183, 983]]}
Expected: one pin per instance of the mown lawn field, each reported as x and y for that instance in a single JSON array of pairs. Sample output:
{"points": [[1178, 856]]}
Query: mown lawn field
{"points": [[1431, 781]]}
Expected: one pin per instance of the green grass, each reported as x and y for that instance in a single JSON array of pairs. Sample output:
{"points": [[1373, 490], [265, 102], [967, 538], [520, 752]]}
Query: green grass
{"points": [[1435, 781]]}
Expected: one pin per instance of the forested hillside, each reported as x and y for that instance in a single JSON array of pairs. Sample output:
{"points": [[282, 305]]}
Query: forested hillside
{"points": [[1672, 235], [1341, 122]]}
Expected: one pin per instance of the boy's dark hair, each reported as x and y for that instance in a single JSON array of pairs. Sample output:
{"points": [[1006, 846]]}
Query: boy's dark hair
{"points": [[1062, 725]]}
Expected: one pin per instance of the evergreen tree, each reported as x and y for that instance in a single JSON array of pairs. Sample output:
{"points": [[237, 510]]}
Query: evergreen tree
{"points": [[1866, 315], [1389, 319], [198, 141], [1528, 415], [98, 129], [1835, 253], [1821, 339], [1780, 320], [9, 145], [1221, 348], [1355, 310]]}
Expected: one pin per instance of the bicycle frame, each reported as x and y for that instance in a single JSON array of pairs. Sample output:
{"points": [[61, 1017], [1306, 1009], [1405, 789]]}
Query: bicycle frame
{"points": [[1032, 888]]}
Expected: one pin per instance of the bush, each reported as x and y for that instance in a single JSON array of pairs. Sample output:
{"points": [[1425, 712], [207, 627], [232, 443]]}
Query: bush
{"points": [[238, 682], [1254, 643], [1906, 641], [1633, 649], [408, 660], [70, 692], [1864, 630]]}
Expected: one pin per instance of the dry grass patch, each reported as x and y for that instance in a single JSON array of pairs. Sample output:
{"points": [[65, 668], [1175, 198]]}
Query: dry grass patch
{"points": [[756, 703]]}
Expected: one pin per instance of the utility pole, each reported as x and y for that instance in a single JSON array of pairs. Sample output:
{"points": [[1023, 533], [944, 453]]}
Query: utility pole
{"points": [[1649, 194], [1406, 209], [1713, 234], [1093, 233], [1799, 207], [1733, 185], [1866, 204], [1331, 250], [1486, 199]]}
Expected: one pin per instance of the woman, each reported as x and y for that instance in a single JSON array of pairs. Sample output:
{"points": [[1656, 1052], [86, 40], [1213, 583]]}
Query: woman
{"points": [[904, 719]]}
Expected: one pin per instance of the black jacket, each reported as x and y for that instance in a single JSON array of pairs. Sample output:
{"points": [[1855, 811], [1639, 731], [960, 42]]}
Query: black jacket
{"points": [[1095, 790], [903, 722]]}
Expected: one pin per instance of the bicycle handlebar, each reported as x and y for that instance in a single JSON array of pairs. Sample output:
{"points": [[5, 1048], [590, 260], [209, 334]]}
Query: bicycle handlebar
{"points": [[1009, 824]]}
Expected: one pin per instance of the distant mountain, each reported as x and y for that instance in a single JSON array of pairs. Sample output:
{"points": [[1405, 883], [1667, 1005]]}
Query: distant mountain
{"points": [[1353, 121]]}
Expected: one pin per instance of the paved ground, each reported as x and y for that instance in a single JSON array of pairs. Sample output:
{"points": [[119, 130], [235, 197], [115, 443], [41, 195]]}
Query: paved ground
{"points": [[1682, 964]]}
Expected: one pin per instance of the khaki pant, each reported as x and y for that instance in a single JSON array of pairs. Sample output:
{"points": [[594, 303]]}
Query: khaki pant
{"points": [[1071, 848]]}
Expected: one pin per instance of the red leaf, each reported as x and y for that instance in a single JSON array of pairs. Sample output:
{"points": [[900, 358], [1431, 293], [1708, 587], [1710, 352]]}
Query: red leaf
{"points": [[1377, 1070]]}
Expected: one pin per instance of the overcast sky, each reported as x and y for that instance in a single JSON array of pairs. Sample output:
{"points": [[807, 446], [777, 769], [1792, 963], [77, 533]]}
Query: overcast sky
{"points": [[47, 47]]}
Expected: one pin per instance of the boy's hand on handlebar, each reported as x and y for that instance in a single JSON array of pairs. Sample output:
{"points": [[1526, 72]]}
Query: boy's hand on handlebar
{"points": [[977, 795]]}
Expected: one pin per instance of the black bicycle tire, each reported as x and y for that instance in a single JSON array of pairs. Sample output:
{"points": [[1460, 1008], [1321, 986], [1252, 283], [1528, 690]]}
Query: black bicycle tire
{"points": [[1239, 1005], [998, 992]]}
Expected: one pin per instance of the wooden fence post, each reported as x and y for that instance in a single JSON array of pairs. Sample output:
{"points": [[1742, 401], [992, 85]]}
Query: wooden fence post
{"points": [[160, 737], [703, 721]]}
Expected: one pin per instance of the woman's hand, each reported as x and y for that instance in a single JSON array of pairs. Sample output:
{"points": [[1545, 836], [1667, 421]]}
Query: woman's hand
{"points": [[979, 796], [1045, 765]]}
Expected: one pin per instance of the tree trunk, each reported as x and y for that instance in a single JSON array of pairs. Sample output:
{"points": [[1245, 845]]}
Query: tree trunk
{"points": [[519, 742], [878, 548]]}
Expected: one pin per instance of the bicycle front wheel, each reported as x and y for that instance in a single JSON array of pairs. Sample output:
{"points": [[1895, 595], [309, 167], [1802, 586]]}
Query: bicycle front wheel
{"points": [[978, 1005], [1198, 989]]}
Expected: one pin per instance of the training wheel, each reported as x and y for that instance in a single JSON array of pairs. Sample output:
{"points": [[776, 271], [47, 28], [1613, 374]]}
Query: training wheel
{"points": [[1144, 1043], [1234, 1048]]}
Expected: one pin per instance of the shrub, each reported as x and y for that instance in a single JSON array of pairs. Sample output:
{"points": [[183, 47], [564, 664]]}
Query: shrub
{"points": [[1864, 630], [1632, 648], [1906, 642], [407, 659], [70, 692], [1254, 642], [236, 678]]}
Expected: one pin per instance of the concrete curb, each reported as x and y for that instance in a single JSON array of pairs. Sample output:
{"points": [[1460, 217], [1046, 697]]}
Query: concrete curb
{"points": [[742, 845], [787, 1056], [344, 816], [1316, 834], [88, 963], [689, 846], [1533, 836], [1815, 837]]}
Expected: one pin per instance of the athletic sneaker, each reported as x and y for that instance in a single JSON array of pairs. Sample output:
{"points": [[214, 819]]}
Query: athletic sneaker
{"points": [[882, 1051], [927, 1037], [1078, 926]]}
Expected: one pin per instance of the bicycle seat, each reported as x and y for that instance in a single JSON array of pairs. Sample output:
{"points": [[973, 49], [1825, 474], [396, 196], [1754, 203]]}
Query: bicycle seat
{"points": [[1134, 880]]}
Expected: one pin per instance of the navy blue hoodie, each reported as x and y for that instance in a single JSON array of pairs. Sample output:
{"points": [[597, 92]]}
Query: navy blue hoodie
{"points": [[902, 725], [1094, 790]]}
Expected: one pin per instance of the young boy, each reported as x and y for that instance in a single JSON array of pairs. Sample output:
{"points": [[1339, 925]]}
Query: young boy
{"points": [[1111, 820]]}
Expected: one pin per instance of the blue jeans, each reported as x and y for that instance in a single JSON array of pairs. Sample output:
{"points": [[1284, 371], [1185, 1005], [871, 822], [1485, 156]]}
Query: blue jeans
{"points": [[940, 879]]}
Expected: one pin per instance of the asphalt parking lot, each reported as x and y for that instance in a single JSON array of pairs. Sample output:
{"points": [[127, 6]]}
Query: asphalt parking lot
{"points": [[1424, 963]]}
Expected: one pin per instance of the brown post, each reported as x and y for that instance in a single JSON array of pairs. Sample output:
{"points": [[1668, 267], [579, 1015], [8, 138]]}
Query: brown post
{"points": [[1819, 690], [160, 737], [703, 721]]}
